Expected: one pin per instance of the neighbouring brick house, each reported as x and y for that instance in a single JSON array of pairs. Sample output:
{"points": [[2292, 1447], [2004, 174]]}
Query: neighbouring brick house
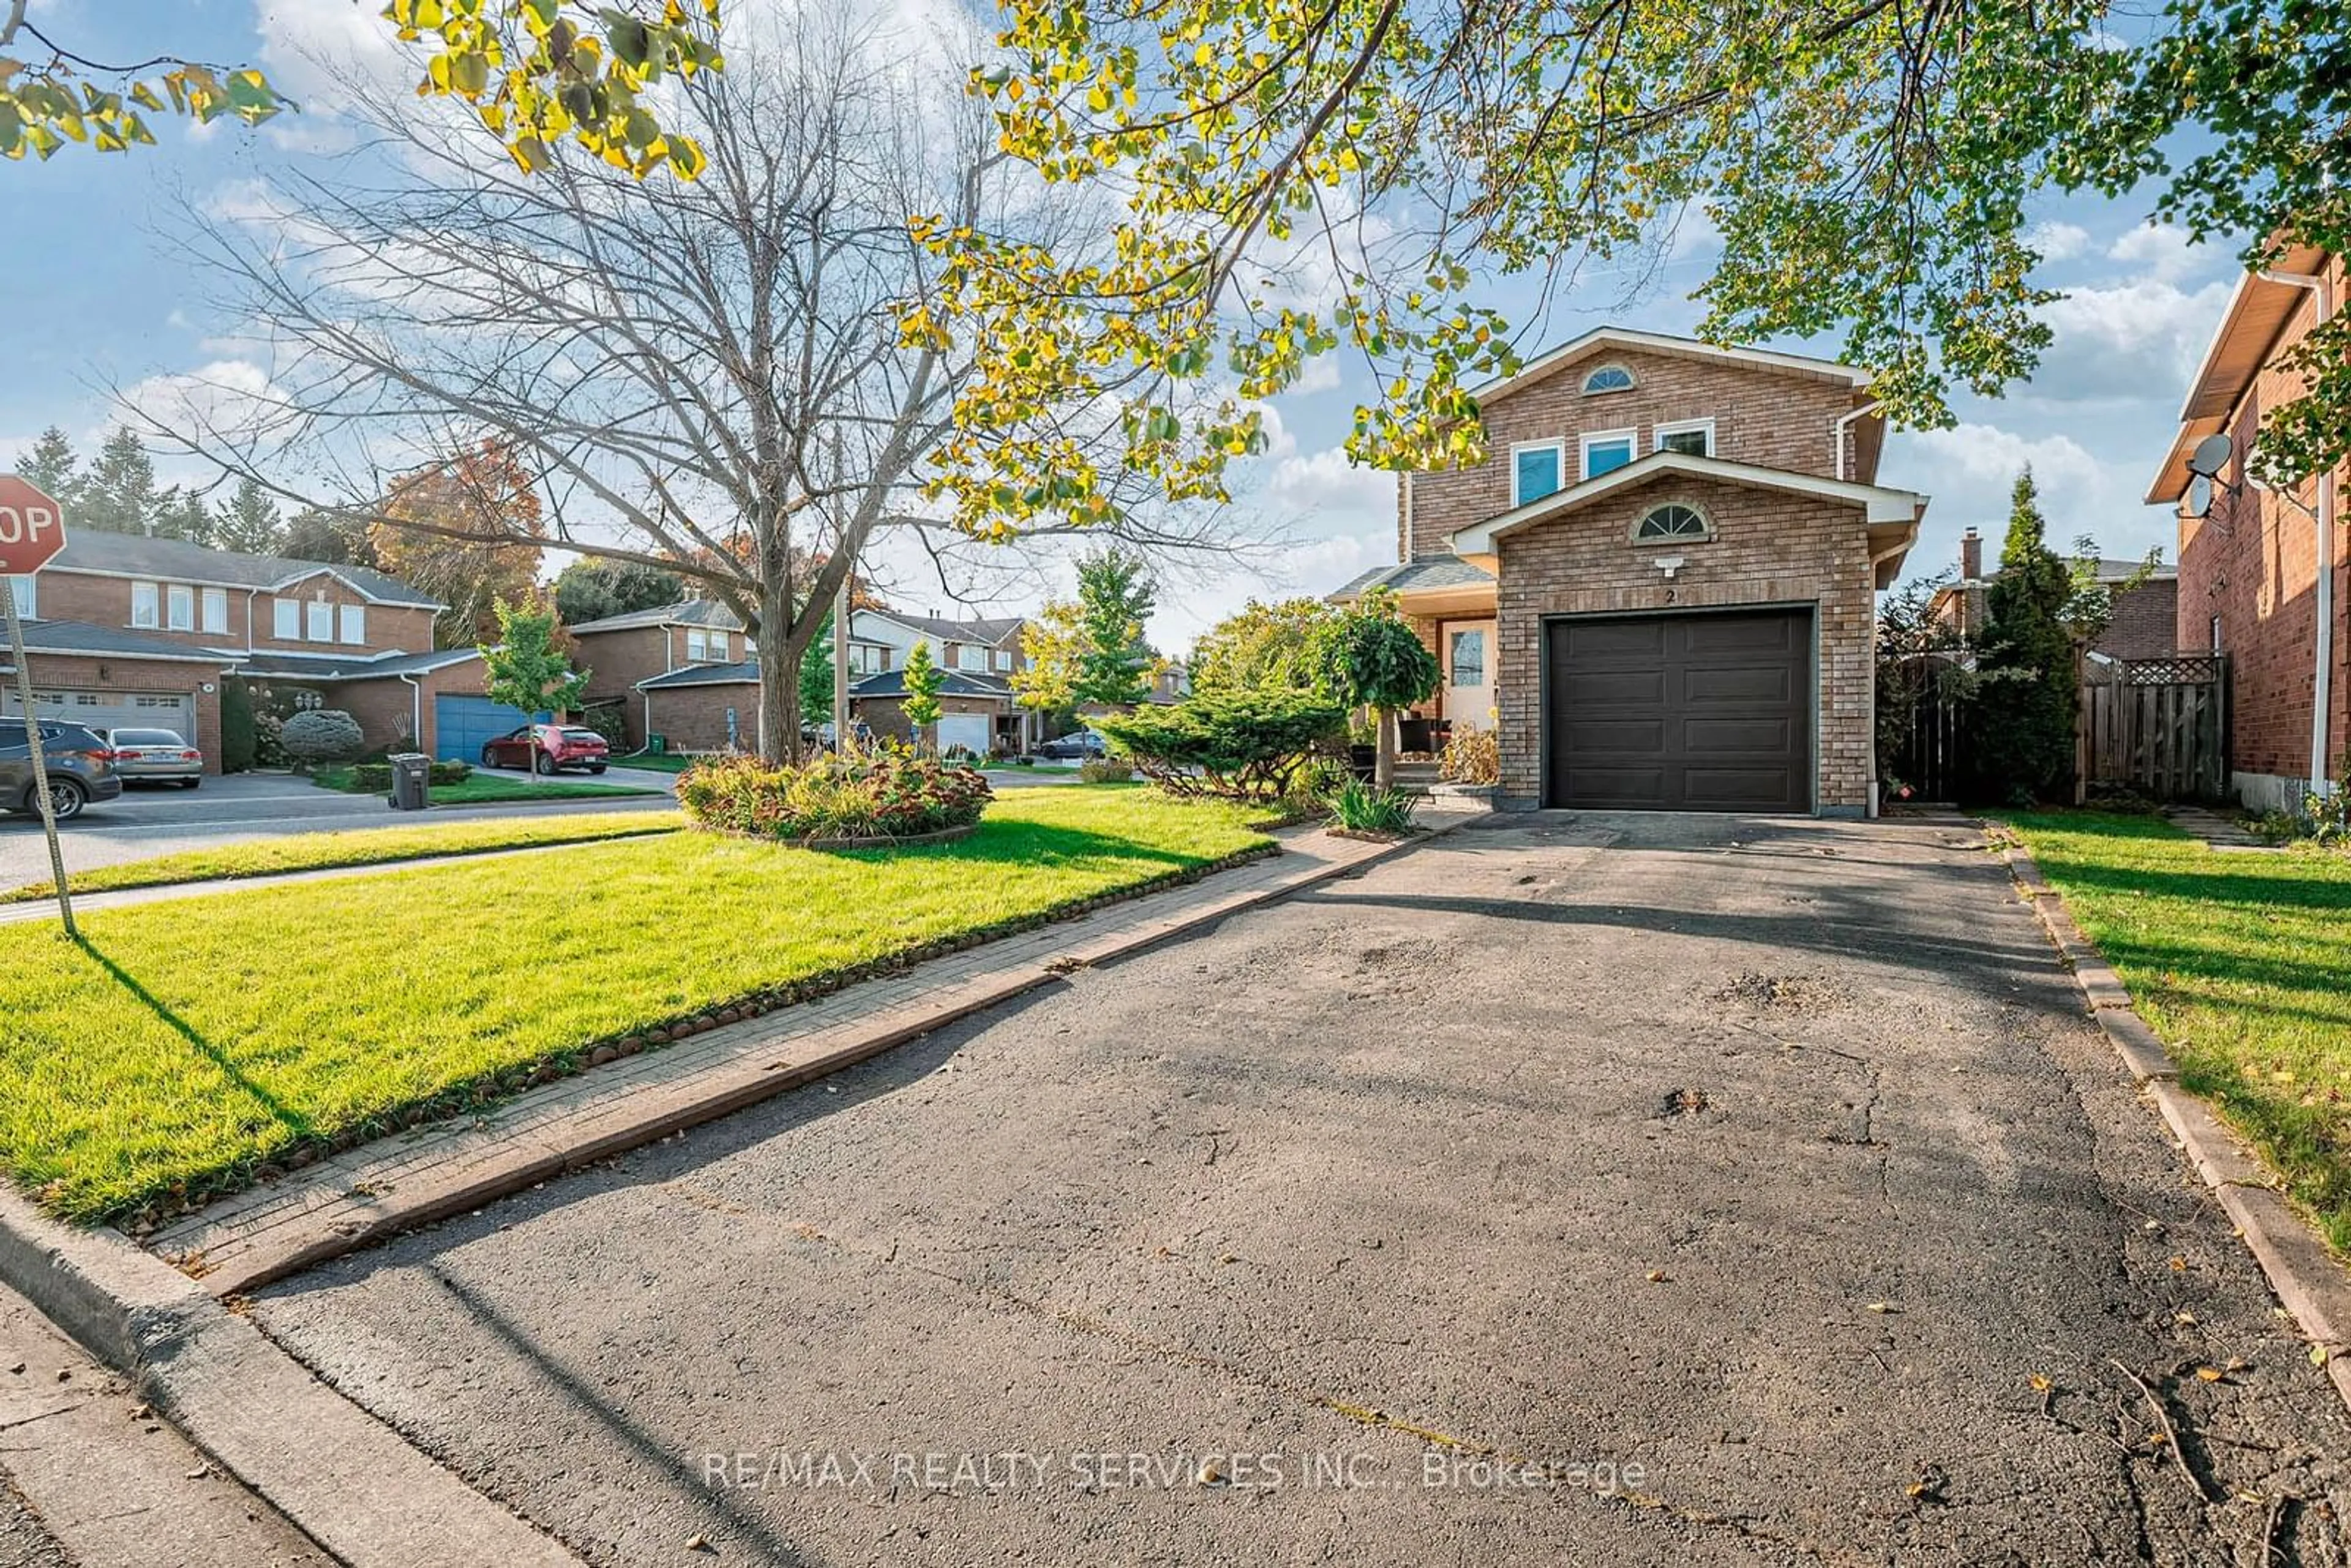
{"points": [[699, 685], [2145, 603], [124, 629], [1660, 587], [2264, 573]]}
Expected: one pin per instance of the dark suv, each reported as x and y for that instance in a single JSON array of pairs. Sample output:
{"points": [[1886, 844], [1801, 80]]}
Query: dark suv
{"points": [[81, 767]]}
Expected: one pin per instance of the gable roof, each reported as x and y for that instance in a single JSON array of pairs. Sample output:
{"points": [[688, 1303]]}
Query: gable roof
{"points": [[1602, 338], [685, 612], [986, 630], [340, 667], [141, 555], [1878, 503], [2258, 313]]}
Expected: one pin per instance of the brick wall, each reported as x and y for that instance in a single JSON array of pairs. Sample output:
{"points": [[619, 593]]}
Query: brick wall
{"points": [[693, 718], [109, 673], [886, 716], [1769, 548], [386, 708], [1773, 419], [617, 661], [2253, 563], [62, 595], [2145, 624]]}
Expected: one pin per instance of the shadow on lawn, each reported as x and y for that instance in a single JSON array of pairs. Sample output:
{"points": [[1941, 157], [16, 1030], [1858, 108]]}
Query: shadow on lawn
{"points": [[1022, 843], [293, 1120]]}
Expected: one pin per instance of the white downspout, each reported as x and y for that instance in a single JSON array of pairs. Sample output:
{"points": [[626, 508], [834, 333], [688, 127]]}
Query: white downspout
{"points": [[416, 710], [1844, 423], [2323, 519]]}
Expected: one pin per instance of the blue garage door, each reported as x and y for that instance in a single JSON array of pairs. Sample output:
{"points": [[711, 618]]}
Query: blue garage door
{"points": [[462, 723]]}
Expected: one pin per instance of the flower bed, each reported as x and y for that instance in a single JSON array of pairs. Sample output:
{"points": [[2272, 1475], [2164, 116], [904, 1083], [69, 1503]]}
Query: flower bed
{"points": [[858, 796]]}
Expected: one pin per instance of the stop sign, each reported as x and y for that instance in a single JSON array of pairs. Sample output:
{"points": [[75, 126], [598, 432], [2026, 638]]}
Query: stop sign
{"points": [[32, 528]]}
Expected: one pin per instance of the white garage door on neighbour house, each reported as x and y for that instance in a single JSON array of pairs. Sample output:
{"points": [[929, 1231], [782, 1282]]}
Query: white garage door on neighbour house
{"points": [[111, 710], [970, 731]]}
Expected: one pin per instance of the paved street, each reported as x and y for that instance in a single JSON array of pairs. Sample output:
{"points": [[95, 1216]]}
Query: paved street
{"points": [[146, 820], [1773, 1160]]}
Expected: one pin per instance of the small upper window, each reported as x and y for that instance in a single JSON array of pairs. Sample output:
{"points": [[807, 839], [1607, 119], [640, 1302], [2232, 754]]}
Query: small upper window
{"points": [[1608, 379], [1605, 450], [145, 599], [697, 644], [1534, 472], [1692, 437], [1672, 521]]}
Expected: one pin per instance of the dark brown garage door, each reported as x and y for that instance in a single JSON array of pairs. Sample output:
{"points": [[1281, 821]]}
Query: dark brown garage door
{"points": [[1681, 713]]}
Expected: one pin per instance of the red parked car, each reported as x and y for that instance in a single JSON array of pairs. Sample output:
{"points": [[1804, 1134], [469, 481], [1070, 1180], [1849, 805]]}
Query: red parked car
{"points": [[549, 748]]}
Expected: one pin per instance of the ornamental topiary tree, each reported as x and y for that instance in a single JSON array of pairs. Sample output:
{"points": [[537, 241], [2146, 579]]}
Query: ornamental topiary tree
{"points": [[922, 680], [524, 669], [321, 736], [2027, 684], [1376, 660]]}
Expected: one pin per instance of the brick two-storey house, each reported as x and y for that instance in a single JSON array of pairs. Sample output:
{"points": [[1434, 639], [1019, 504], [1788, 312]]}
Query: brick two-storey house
{"points": [[126, 629], [687, 672], [1660, 586], [2264, 572], [2143, 603]]}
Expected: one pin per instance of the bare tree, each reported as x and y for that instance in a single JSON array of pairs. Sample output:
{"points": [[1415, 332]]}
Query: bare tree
{"points": [[712, 378]]}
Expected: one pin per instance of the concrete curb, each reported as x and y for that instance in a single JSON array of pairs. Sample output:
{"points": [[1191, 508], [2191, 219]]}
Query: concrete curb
{"points": [[346, 1481], [2307, 1280]]}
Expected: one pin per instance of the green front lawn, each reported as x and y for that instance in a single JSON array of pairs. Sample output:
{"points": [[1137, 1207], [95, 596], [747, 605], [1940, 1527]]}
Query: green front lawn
{"points": [[361, 846], [659, 761], [2242, 962], [184, 1043]]}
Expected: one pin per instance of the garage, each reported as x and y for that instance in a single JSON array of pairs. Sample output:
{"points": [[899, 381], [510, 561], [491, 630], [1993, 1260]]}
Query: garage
{"points": [[112, 710], [969, 732], [1701, 712], [462, 725]]}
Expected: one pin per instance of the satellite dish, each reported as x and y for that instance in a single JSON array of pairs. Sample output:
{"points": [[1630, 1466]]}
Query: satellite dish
{"points": [[2211, 455], [2199, 496]]}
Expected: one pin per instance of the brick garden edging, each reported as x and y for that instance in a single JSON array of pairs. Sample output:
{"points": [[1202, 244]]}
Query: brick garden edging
{"points": [[2308, 1280]]}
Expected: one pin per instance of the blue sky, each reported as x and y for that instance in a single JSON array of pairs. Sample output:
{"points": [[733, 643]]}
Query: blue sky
{"points": [[102, 297]]}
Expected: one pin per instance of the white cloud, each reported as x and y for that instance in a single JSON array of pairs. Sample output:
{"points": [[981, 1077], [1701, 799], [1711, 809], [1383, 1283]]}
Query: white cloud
{"points": [[1324, 487], [1970, 470], [2163, 250], [2058, 241], [227, 398]]}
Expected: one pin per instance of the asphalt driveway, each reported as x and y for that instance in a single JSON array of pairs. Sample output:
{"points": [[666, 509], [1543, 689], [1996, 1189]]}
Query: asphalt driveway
{"points": [[1597, 1190]]}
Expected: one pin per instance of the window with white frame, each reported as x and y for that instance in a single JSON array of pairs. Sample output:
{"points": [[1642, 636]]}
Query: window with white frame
{"points": [[1535, 470], [1002, 660], [146, 604], [1604, 451], [970, 658], [352, 624], [697, 645], [721, 647], [22, 586], [1608, 379], [1691, 437], [1674, 520], [180, 607], [319, 624], [286, 621], [215, 611]]}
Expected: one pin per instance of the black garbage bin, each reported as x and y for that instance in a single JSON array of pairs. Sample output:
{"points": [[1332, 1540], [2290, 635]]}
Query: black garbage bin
{"points": [[411, 781]]}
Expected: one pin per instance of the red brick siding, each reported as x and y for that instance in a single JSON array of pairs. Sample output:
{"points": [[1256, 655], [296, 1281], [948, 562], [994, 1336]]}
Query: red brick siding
{"points": [[2254, 563], [1769, 548], [616, 662], [886, 715], [1773, 419], [65, 595], [2146, 622], [693, 718], [113, 674], [387, 707]]}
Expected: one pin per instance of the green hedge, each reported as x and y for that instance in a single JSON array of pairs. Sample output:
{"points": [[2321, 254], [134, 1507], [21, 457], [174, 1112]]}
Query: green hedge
{"points": [[375, 778], [1249, 745]]}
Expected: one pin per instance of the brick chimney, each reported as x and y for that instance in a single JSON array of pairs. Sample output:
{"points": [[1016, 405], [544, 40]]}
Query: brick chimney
{"points": [[1970, 556]]}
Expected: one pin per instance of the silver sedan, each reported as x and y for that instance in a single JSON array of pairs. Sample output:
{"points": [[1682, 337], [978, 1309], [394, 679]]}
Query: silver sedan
{"points": [[142, 755]]}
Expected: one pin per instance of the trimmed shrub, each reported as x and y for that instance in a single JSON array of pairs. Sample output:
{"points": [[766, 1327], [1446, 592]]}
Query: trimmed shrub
{"points": [[321, 735], [1245, 745], [375, 778], [1105, 770], [609, 720], [885, 793]]}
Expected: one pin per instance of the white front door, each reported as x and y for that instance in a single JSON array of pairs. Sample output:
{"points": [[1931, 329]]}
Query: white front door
{"points": [[1468, 654]]}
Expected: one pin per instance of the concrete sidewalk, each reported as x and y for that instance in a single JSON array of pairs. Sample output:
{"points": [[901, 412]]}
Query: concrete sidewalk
{"points": [[383, 1188]]}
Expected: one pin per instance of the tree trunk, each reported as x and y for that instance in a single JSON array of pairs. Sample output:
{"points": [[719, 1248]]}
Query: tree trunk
{"points": [[1383, 758], [779, 677]]}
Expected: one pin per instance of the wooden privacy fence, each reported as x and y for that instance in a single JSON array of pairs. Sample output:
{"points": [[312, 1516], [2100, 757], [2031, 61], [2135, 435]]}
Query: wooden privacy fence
{"points": [[2158, 726]]}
